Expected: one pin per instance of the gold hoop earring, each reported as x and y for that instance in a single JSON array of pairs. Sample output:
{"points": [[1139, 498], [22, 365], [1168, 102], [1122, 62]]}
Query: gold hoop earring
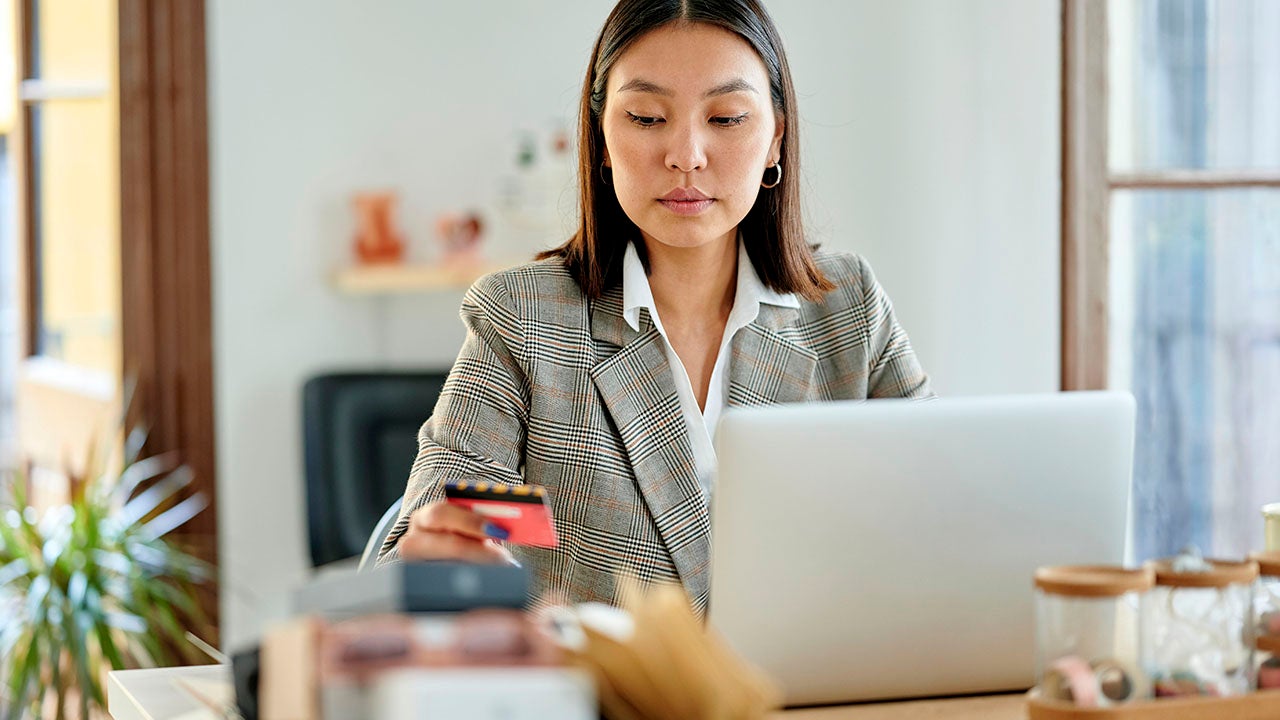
{"points": [[604, 179], [767, 185]]}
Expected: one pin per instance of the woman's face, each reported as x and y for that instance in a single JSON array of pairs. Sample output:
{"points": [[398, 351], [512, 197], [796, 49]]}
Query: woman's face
{"points": [[689, 128]]}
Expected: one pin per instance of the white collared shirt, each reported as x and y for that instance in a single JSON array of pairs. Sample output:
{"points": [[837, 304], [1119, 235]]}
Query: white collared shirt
{"points": [[748, 296]]}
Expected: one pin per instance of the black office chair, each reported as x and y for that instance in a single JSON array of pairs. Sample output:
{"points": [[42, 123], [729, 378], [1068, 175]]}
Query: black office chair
{"points": [[360, 436]]}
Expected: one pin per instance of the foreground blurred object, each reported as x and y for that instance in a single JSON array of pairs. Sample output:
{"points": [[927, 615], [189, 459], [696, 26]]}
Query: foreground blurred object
{"points": [[93, 585], [437, 586], [656, 660], [477, 664], [1266, 620]]}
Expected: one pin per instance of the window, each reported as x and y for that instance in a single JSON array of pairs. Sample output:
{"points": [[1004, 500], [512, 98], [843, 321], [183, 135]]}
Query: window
{"points": [[70, 101], [110, 177], [1172, 253], [9, 346], [65, 297]]}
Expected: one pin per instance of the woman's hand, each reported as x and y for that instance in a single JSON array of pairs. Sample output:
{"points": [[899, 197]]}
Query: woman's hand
{"points": [[441, 531]]}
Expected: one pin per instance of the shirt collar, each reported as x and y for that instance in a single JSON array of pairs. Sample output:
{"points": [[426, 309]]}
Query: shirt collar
{"points": [[750, 292]]}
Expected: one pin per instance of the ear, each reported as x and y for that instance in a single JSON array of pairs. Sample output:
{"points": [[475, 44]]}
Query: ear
{"points": [[775, 147], [607, 163]]}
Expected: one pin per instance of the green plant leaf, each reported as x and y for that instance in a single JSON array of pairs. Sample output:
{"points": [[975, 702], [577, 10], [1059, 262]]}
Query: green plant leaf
{"points": [[184, 567], [108, 645], [14, 681], [21, 675], [84, 703], [94, 583], [13, 540], [175, 516], [77, 588], [92, 608], [144, 555], [178, 597], [37, 593], [174, 632], [75, 631], [19, 489], [112, 560], [15, 569], [125, 621], [29, 535], [11, 628], [141, 471], [149, 652], [134, 441], [149, 500], [53, 651]]}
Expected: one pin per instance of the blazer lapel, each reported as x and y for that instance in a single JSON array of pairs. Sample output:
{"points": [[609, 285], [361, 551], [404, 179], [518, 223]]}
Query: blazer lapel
{"points": [[768, 367], [636, 386]]}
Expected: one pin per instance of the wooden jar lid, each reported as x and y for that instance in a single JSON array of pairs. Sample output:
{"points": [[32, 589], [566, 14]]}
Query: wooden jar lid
{"points": [[1093, 580], [1268, 563], [1222, 574]]}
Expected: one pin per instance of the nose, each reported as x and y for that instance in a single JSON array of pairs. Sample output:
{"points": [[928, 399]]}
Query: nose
{"points": [[687, 150]]}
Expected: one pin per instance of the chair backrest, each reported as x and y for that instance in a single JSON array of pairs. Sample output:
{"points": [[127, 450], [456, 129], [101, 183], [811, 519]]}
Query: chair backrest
{"points": [[360, 436], [379, 535]]}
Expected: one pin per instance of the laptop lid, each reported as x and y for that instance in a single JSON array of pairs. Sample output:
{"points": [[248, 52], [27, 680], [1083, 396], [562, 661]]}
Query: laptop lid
{"points": [[885, 549]]}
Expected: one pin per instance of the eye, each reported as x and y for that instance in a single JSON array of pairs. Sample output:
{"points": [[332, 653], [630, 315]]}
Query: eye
{"points": [[642, 120], [729, 120]]}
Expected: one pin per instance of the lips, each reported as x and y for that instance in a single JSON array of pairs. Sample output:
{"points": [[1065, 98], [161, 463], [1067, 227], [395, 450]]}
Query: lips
{"points": [[686, 201]]}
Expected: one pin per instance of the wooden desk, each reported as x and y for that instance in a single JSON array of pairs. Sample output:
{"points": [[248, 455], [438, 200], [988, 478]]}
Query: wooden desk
{"points": [[982, 707], [151, 695]]}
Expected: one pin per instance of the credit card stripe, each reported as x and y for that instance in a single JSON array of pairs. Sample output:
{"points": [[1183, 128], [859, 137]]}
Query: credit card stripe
{"points": [[476, 494], [486, 486]]}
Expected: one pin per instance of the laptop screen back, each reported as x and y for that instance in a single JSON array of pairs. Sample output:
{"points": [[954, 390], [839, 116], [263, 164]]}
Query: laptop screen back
{"points": [[885, 549]]}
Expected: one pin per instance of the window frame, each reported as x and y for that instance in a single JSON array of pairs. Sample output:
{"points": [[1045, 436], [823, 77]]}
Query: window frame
{"points": [[1087, 184], [166, 324]]}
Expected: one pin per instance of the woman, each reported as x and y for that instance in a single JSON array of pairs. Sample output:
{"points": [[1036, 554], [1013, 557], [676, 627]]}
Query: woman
{"points": [[600, 370]]}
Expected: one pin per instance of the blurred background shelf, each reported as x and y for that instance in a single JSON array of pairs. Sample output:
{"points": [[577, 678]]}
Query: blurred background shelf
{"points": [[393, 278]]}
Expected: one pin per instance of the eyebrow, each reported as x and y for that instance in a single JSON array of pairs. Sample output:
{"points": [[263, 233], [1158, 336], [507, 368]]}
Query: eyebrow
{"points": [[644, 86]]}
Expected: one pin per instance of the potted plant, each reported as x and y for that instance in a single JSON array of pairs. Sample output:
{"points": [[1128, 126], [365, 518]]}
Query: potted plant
{"points": [[94, 585]]}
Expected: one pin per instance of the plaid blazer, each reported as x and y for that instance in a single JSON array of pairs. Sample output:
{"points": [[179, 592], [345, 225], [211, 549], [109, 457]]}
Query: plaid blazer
{"points": [[557, 390]]}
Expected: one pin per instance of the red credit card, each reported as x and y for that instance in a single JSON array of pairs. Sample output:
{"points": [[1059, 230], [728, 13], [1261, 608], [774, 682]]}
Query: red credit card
{"points": [[521, 510]]}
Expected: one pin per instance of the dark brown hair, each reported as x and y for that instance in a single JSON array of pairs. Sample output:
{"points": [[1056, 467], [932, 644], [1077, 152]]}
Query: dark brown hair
{"points": [[772, 231]]}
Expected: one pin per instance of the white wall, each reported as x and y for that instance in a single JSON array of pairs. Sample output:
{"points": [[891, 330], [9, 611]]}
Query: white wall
{"points": [[931, 139], [931, 142]]}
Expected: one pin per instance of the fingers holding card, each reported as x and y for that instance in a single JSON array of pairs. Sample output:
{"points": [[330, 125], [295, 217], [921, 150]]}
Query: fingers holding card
{"points": [[521, 510]]}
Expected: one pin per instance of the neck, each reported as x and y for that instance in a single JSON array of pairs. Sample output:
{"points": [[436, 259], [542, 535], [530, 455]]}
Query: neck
{"points": [[694, 283]]}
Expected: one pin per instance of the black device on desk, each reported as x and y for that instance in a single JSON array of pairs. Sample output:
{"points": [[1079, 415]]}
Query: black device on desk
{"points": [[415, 587]]}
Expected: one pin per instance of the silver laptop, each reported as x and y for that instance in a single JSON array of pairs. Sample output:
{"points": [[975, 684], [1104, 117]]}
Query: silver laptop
{"points": [[885, 549]]}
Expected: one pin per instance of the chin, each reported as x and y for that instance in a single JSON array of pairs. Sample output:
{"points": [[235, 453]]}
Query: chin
{"points": [[685, 237]]}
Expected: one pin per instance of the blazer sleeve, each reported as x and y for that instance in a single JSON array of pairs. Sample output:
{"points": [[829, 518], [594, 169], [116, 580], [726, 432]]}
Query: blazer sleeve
{"points": [[477, 430], [895, 372]]}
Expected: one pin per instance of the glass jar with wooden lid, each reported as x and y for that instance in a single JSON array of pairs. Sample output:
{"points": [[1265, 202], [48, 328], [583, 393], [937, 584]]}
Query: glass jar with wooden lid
{"points": [[1271, 525], [1091, 638], [1202, 630], [1266, 616]]}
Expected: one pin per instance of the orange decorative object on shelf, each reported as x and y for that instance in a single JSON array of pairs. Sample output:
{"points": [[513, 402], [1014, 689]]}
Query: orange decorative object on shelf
{"points": [[377, 240]]}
